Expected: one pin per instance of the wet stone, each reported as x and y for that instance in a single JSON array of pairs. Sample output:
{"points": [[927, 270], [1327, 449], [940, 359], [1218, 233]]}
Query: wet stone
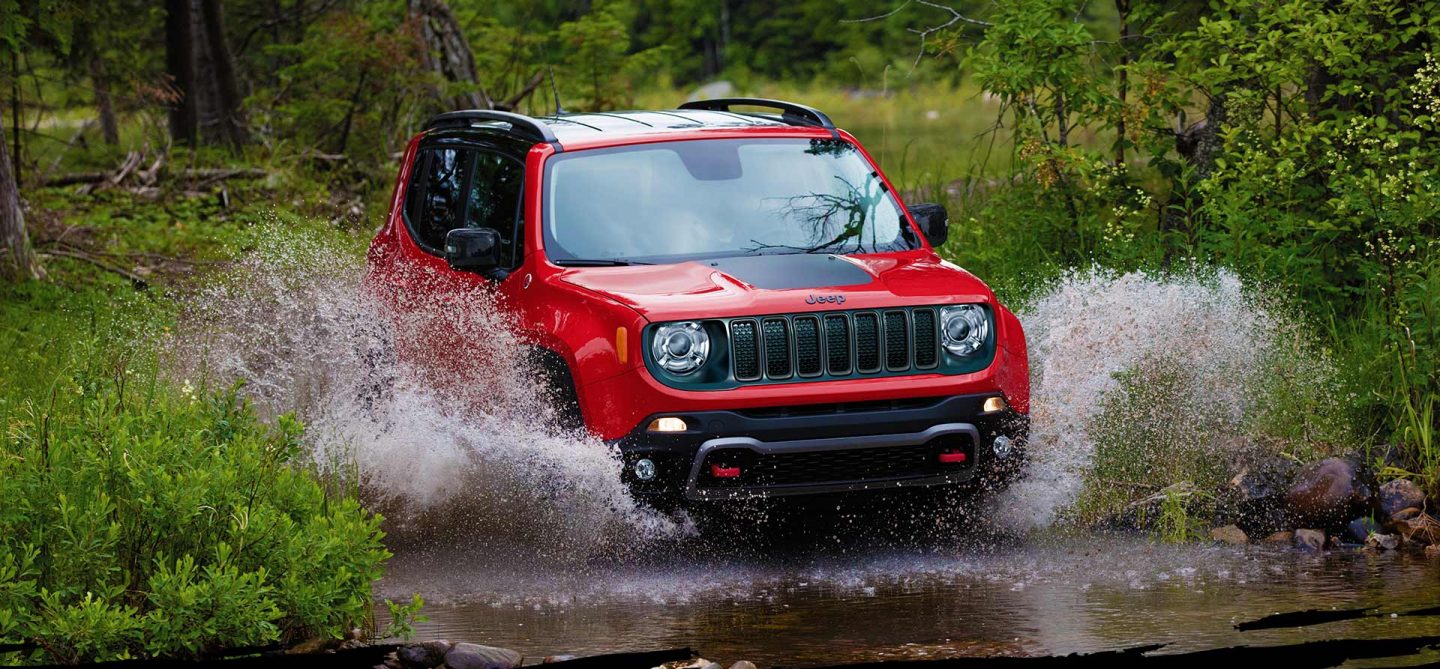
{"points": [[1230, 534], [1310, 541], [1360, 529], [423, 655], [1280, 538], [1398, 495], [743, 664], [552, 659], [1326, 493], [1385, 542], [476, 656]]}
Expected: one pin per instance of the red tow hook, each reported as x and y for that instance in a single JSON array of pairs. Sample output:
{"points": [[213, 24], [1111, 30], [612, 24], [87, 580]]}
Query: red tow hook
{"points": [[720, 472], [952, 457]]}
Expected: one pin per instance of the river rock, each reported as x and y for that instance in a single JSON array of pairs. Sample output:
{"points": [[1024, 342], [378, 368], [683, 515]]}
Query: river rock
{"points": [[743, 664], [1384, 542], [1327, 492], [1280, 538], [552, 659], [1360, 529], [1310, 541], [711, 665], [476, 656], [1400, 494], [1432, 551], [1230, 534], [423, 655]]}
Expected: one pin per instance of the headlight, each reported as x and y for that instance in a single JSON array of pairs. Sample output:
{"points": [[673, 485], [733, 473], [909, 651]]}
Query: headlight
{"points": [[964, 328], [680, 348]]}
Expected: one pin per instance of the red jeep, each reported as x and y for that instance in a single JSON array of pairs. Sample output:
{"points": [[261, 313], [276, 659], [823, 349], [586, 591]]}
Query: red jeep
{"points": [[737, 300]]}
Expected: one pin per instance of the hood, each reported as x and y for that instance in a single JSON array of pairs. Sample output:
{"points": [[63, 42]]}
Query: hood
{"points": [[758, 285]]}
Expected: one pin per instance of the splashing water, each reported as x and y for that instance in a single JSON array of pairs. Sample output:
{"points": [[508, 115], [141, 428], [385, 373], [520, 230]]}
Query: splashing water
{"points": [[446, 456], [1091, 326]]}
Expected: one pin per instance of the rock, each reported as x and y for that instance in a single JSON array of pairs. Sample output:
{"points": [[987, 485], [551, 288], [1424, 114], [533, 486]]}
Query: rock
{"points": [[350, 644], [1310, 541], [476, 656], [1398, 495], [392, 662], [1327, 492], [743, 664], [1421, 528], [1405, 514], [1360, 529], [711, 665], [315, 645], [1384, 542], [1432, 551], [423, 655], [552, 659], [1280, 538], [1230, 534]]}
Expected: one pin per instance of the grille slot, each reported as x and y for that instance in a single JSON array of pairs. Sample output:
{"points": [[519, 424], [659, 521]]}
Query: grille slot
{"points": [[807, 346], [897, 341], [777, 348], [926, 355], [745, 348], [867, 342], [837, 344]]}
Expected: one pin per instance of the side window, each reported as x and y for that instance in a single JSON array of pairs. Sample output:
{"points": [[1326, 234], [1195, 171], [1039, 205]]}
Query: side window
{"points": [[441, 193], [461, 187], [494, 201]]}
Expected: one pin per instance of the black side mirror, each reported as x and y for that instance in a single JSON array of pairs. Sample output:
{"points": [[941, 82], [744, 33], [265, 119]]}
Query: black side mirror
{"points": [[473, 250], [934, 221]]}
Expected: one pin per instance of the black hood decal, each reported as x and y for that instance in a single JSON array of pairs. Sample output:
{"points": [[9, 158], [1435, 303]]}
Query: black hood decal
{"points": [[792, 271]]}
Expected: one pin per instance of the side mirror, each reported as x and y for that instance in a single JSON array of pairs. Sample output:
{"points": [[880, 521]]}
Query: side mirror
{"points": [[473, 250], [933, 220]]}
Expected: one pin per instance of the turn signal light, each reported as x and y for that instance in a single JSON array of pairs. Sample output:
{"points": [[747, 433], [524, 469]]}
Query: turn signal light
{"points": [[668, 424], [994, 404]]}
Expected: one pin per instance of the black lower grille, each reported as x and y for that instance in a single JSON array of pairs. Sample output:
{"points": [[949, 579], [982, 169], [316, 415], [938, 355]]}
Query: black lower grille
{"points": [[886, 463]]}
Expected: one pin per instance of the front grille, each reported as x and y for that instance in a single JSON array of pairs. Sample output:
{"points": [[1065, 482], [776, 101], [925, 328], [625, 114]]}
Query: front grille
{"points": [[837, 344]]}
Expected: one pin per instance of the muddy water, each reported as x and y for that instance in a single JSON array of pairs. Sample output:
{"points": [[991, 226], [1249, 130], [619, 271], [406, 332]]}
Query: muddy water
{"points": [[1041, 596]]}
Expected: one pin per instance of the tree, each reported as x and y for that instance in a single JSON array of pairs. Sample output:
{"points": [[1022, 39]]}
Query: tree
{"points": [[17, 259], [202, 70]]}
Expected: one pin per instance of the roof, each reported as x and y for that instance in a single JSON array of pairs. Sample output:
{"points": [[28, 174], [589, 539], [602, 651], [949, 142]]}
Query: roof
{"points": [[587, 129]]}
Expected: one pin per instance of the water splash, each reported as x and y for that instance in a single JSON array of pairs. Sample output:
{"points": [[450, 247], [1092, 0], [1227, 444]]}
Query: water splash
{"points": [[1090, 326], [447, 456]]}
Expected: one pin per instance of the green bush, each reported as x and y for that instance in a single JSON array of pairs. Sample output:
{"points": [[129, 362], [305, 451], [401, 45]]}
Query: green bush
{"points": [[141, 520]]}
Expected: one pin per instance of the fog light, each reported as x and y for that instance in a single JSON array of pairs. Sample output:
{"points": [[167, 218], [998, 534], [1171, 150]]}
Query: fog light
{"points": [[1003, 447], [994, 404], [644, 469], [668, 424]]}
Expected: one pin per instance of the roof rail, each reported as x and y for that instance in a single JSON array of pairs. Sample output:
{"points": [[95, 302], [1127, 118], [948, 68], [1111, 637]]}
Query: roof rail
{"points": [[520, 124], [790, 112]]}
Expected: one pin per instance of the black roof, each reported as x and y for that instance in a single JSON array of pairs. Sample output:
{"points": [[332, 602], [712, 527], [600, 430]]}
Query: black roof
{"points": [[556, 129]]}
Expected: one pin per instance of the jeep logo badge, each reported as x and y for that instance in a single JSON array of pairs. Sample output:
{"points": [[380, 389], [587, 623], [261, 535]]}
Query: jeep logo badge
{"points": [[821, 299]]}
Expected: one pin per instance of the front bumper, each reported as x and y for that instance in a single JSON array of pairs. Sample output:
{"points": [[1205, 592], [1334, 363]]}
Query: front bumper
{"points": [[816, 449]]}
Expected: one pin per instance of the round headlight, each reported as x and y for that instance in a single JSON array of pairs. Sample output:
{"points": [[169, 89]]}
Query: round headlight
{"points": [[680, 348], [964, 328]]}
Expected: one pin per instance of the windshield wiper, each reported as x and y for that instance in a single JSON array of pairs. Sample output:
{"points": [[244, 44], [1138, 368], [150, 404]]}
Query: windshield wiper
{"points": [[597, 262]]}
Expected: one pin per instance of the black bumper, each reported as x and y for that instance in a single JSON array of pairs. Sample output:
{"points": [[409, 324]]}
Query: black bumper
{"points": [[823, 449]]}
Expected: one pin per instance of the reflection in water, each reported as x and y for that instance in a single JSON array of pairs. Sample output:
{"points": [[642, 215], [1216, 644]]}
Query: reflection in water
{"points": [[1058, 595]]}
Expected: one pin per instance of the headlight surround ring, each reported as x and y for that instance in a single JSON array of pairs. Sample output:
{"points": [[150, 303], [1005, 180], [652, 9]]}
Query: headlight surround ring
{"points": [[680, 348], [964, 329]]}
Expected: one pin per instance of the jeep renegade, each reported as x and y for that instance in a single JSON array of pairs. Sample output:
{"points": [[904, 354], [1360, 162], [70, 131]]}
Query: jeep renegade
{"points": [[731, 293]]}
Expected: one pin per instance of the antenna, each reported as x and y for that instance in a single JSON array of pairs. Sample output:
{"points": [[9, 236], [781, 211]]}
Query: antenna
{"points": [[555, 92]]}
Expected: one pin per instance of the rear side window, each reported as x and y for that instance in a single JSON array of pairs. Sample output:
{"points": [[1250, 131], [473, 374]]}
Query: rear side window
{"points": [[465, 187]]}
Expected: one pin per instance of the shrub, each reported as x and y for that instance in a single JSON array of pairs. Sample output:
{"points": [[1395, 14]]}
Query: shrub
{"points": [[137, 520]]}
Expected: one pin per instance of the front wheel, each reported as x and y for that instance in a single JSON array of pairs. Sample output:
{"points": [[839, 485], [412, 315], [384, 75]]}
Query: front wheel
{"points": [[557, 391]]}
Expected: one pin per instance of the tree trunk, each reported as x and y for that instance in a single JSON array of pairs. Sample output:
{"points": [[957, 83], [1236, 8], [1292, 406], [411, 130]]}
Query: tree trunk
{"points": [[104, 105], [1122, 8], [447, 53], [228, 97], [17, 259], [200, 63], [180, 65]]}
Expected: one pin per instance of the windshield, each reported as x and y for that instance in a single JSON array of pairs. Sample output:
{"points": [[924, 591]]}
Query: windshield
{"points": [[676, 201]]}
